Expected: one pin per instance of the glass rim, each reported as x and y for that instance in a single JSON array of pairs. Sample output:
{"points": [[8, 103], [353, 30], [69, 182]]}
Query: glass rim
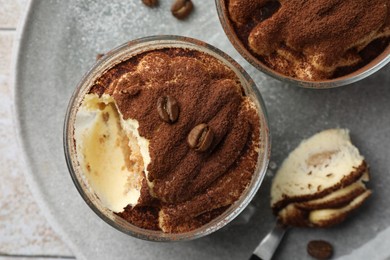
{"points": [[166, 41], [373, 66]]}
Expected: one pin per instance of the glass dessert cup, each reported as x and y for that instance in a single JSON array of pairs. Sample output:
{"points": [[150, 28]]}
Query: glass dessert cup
{"points": [[122, 53], [373, 66]]}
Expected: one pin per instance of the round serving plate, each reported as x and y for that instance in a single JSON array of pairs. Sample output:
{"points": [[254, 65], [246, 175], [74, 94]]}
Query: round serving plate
{"points": [[58, 44]]}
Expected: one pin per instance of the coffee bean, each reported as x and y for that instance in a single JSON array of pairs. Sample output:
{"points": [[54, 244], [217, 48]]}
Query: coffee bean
{"points": [[181, 8], [150, 3], [200, 137], [168, 109], [320, 249]]}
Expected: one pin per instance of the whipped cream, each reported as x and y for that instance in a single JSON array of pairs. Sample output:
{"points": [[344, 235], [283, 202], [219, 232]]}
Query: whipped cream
{"points": [[110, 151], [328, 162], [319, 162]]}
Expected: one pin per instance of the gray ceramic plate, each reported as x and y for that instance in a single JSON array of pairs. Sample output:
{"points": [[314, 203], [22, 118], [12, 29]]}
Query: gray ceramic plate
{"points": [[59, 43]]}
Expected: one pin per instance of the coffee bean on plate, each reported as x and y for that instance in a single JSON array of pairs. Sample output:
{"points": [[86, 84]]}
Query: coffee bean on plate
{"points": [[150, 3], [320, 249], [181, 8]]}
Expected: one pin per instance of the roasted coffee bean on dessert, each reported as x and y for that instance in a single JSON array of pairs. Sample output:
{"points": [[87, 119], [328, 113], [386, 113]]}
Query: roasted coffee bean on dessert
{"points": [[320, 249], [150, 3], [200, 137], [181, 8], [168, 109]]}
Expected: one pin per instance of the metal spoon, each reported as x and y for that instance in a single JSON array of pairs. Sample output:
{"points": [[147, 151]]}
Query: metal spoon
{"points": [[267, 247]]}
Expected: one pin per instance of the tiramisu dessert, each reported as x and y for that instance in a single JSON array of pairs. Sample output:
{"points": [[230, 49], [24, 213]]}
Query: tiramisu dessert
{"points": [[321, 182], [167, 139], [312, 40]]}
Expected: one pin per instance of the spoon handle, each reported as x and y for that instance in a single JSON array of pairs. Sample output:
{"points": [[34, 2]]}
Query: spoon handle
{"points": [[267, 247]]}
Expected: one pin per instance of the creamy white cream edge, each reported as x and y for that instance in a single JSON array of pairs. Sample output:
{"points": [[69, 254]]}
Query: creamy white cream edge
{"points": [[101, 152], [322, 160]]}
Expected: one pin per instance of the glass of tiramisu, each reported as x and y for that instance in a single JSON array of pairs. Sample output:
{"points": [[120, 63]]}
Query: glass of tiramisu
{"points": [[166, 138], [318, 44]]}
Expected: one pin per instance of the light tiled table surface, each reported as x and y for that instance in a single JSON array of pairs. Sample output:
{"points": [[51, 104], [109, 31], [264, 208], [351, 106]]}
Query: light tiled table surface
{"points": [[24, 232]]}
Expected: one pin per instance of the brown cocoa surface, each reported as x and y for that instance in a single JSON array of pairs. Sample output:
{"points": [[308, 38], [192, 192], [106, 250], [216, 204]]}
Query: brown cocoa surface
{"points": [[190, 187], [332, 28]]}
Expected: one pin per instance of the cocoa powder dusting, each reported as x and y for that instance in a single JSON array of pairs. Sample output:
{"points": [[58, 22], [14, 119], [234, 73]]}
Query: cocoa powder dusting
{"points": [[311, 40], [141, 216], [190, 188]]}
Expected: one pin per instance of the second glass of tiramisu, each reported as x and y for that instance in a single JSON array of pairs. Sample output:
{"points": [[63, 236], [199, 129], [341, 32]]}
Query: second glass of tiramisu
{"points": [[319, 44]]}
